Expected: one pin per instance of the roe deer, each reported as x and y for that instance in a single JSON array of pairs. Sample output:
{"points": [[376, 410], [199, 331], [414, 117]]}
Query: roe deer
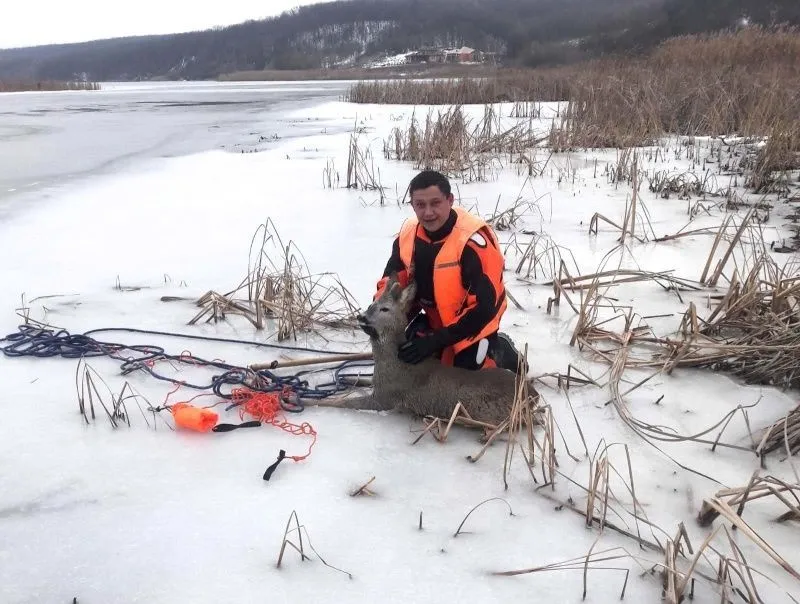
{"points": [[428, 388]]}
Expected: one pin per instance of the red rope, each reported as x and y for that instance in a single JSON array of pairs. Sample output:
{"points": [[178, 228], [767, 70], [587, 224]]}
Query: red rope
{"points": [[263, 406], [266, 407]]}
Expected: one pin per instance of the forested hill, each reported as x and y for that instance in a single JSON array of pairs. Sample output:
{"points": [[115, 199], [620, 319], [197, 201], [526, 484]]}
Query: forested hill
{"points": [[522, 32]]}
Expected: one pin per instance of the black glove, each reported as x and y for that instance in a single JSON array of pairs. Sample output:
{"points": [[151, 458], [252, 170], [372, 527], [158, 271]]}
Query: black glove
{"points": [[420, 348], [419, 326]]}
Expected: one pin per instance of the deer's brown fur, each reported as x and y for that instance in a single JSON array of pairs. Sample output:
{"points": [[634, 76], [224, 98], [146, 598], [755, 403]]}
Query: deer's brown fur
{"points": [[428, 388]]}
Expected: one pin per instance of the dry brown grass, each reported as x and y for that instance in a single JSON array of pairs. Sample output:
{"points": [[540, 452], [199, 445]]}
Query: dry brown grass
{"points": [[505, 86], [774, 161], [281, 292], [751, 48], [45, 85], [743, 82], [361, 171], [451, 143]]}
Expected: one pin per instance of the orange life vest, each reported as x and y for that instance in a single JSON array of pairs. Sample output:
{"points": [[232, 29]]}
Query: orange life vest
{"points": [[451, 300]]}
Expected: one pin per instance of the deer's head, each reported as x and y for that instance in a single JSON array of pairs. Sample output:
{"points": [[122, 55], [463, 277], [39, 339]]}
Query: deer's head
{"points": [[386, 318]]}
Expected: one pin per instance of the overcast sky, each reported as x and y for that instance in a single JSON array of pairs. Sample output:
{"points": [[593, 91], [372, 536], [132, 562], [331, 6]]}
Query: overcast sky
{"points": [[35, 22]]}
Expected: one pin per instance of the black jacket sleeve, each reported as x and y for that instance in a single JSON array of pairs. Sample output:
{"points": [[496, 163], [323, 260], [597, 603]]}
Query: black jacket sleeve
{"points": [[395, 264], [477, 282]]}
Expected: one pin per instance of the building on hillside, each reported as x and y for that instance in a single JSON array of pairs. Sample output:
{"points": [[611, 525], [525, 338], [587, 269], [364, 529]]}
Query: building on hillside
{"points": [[464, 54], [426, 55]]}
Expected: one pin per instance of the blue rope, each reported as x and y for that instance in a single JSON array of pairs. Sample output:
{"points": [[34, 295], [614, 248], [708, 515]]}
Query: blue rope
{"points": [[39, 342]]}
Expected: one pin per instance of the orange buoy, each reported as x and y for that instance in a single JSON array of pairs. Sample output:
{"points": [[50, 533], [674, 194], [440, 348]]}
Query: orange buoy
{"points": [[194, 418]]}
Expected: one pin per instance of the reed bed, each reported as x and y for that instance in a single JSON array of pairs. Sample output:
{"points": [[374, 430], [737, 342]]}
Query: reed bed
{"points": [[45, 85], [742, 82], [518, 86], [451, 143], [776, 159]]}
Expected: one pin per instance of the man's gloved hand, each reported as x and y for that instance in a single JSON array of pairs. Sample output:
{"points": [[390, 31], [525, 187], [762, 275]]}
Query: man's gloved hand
{"points": [[418, 327], [421, 348]]}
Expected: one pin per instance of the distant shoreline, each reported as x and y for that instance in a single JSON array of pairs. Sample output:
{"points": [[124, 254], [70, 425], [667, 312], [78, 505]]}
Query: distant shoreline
{"points": [[352, 73], [398, 72], [45, 85]]}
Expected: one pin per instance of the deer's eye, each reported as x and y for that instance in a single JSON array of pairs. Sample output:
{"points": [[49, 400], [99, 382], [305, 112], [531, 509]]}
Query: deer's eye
{"points": [[384, 309]]}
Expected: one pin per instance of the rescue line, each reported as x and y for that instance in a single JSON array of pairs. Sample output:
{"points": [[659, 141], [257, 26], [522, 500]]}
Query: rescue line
{"points": [[256, 391]]}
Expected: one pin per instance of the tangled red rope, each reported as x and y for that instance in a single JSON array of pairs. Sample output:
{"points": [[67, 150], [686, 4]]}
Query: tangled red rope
{"points": [[266, 407]]}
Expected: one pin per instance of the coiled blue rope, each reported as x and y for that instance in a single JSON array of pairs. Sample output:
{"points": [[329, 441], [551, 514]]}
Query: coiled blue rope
{"points": [[31, 341]]}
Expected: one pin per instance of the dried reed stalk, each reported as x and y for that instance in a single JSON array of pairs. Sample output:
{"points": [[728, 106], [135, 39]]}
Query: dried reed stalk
{"points": [[280, 288], [592, 561], [724, 510], [543, 258], [299, 548], [526, 412], [482, 503], [439, 428], [679, 572], [451, 144], [87, 391], [361, 171]]}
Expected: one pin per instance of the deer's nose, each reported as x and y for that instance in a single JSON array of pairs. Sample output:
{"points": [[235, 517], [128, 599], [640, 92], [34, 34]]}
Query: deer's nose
{"points": [[361, 318]]}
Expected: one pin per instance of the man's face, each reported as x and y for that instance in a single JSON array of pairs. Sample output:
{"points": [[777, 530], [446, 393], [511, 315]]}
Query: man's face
{"points": [[432, 207]]}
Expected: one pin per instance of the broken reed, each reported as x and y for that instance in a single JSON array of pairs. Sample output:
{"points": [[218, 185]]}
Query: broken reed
{"points": [[769, 487], [743, 82], [45, 85]]}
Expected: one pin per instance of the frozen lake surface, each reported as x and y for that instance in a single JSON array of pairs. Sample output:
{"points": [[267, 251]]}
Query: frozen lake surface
{"points": [[50, 137], [145, 203]]}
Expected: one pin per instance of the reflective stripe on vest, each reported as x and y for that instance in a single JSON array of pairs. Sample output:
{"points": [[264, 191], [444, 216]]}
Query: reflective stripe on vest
{"points": [[451, 299]]}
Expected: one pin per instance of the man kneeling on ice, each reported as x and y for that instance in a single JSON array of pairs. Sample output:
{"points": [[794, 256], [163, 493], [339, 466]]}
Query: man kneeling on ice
{"points": [[456, 261]]}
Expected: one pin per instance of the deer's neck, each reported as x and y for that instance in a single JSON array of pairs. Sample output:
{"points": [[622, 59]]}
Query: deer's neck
{"points": [[388, 368]]}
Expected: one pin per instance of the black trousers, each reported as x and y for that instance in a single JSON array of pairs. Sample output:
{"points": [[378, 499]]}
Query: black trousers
{"points": [[469, 359]]}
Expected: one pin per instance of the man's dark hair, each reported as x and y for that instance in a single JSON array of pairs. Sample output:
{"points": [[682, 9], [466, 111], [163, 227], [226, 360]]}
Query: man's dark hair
{"points": [[429, 178]]}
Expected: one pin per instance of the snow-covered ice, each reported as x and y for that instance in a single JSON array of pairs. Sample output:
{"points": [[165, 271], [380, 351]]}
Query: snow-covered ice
{"points": [[141, 515]]}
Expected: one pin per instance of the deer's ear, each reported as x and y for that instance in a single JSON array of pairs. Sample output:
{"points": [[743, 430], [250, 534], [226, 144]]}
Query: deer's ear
{"points": [[391, 280], [408, 294], [395, 289]]}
